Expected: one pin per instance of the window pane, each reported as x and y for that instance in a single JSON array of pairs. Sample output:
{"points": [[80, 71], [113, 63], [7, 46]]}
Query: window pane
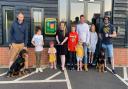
{"points": [[63, 10], [92, 12], [37, 15], [108, 8], [108, 5], [76, 10]]}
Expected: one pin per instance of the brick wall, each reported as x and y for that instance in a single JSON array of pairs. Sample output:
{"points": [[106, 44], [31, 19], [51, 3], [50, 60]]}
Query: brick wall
{"points": [[4, 56], [120, 55]]}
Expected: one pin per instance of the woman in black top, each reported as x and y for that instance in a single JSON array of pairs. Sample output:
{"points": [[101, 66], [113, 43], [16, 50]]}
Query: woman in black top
{"points": [[61, 38]]}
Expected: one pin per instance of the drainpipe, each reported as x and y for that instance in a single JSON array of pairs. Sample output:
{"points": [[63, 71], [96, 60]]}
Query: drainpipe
{"points": [[126, 33], [112, 11]]}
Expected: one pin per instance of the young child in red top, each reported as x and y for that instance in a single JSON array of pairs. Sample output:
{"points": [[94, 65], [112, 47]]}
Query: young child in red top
{"points": [[72, 42]]}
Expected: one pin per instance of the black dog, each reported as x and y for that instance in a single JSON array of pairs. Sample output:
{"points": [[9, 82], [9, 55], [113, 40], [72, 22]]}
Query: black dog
{"points": [[101, 62], [18, 65]]}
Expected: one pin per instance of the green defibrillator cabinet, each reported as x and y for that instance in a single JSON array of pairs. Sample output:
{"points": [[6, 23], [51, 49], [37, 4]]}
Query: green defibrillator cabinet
{"points": [[50, 26]]}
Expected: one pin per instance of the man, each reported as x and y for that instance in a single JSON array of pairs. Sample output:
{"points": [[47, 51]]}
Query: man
{"points": [[107, 33], [18, 38], [84, 36]]}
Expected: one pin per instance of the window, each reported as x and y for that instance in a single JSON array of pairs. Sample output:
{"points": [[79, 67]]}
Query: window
{"points": [[37, 18], [108, 8], [77, 9], [8, 17], [93, 12], [63, 10]]}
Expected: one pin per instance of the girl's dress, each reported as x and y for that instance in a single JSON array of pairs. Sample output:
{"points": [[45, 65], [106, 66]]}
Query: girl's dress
{"points": [[52, 55], [79, 51], [93, 41], [61, 49]]}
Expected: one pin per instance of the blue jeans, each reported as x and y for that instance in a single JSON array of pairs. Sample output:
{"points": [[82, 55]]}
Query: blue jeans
{"points": [[85, 61], [108, 50]]}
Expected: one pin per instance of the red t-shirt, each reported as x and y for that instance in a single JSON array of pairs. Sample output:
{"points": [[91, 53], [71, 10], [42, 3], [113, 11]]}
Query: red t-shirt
{"points": [[72, 41]]}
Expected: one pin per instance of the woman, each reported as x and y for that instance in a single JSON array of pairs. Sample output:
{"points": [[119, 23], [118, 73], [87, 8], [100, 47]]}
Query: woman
{"points": [[61, 38]]}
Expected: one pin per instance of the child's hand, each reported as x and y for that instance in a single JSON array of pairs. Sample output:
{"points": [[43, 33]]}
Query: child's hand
{"points": [[25, 48], [87, 45], [75, 48], [33, 44], [58, 42], [61, 43], [43, 44]]}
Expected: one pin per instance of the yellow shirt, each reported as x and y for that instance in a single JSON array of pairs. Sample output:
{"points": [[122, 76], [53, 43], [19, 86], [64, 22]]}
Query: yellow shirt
{"points": [[79, 51], [52, 54]]}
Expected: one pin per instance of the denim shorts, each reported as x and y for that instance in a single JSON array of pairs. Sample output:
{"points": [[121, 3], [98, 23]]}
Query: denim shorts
{"points": [[108, 49]]}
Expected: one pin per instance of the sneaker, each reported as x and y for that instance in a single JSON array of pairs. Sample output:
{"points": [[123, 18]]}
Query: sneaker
{"points": [[105, 69], [109, 61], [81, 69], [27, 71], [37, 70], [78, 69], [40, 69], [51, 67], [113, 71], [8, 75], [55, 67], [73, 68], [63, 68], [93, 64]]}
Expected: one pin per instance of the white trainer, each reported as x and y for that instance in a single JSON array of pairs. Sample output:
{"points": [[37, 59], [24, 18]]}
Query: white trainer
{"points": [[37, 70], [40, 69]]}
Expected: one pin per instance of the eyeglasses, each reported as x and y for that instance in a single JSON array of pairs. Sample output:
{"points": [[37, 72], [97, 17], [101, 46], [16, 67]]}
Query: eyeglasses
{"points": [[105, 19]]}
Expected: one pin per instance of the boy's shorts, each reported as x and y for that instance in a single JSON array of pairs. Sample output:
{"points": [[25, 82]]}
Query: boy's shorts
{"points": [[79, 58], [14, 50]]}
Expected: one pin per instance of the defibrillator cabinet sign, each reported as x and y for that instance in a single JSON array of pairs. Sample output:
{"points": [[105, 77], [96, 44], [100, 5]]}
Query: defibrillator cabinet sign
{"points": [[50, 26]]}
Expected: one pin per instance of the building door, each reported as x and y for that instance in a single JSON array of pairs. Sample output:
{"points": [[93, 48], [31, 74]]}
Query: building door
{"points": [[8, 17], [90, 8]]}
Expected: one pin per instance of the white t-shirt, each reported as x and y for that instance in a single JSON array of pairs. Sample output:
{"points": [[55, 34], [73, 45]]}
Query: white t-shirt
{"points": [[83, 32], [38, 40]]}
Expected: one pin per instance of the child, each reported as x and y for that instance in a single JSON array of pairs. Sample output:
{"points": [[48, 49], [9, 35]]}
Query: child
{"points": [[79, 54], [61, 38], [72, 42], [52, 55], [93, 42], [38, 42]]}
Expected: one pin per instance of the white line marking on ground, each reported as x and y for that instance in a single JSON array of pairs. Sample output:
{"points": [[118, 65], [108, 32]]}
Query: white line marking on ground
{"points": [[125, 73], [67, 79], [53, 75], [31, 81], [3, 74], [126, 79], [18, 79], [126, 83]]}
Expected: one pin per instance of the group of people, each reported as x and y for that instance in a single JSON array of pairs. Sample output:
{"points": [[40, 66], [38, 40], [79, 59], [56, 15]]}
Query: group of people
{"points": [[77, 42]]}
